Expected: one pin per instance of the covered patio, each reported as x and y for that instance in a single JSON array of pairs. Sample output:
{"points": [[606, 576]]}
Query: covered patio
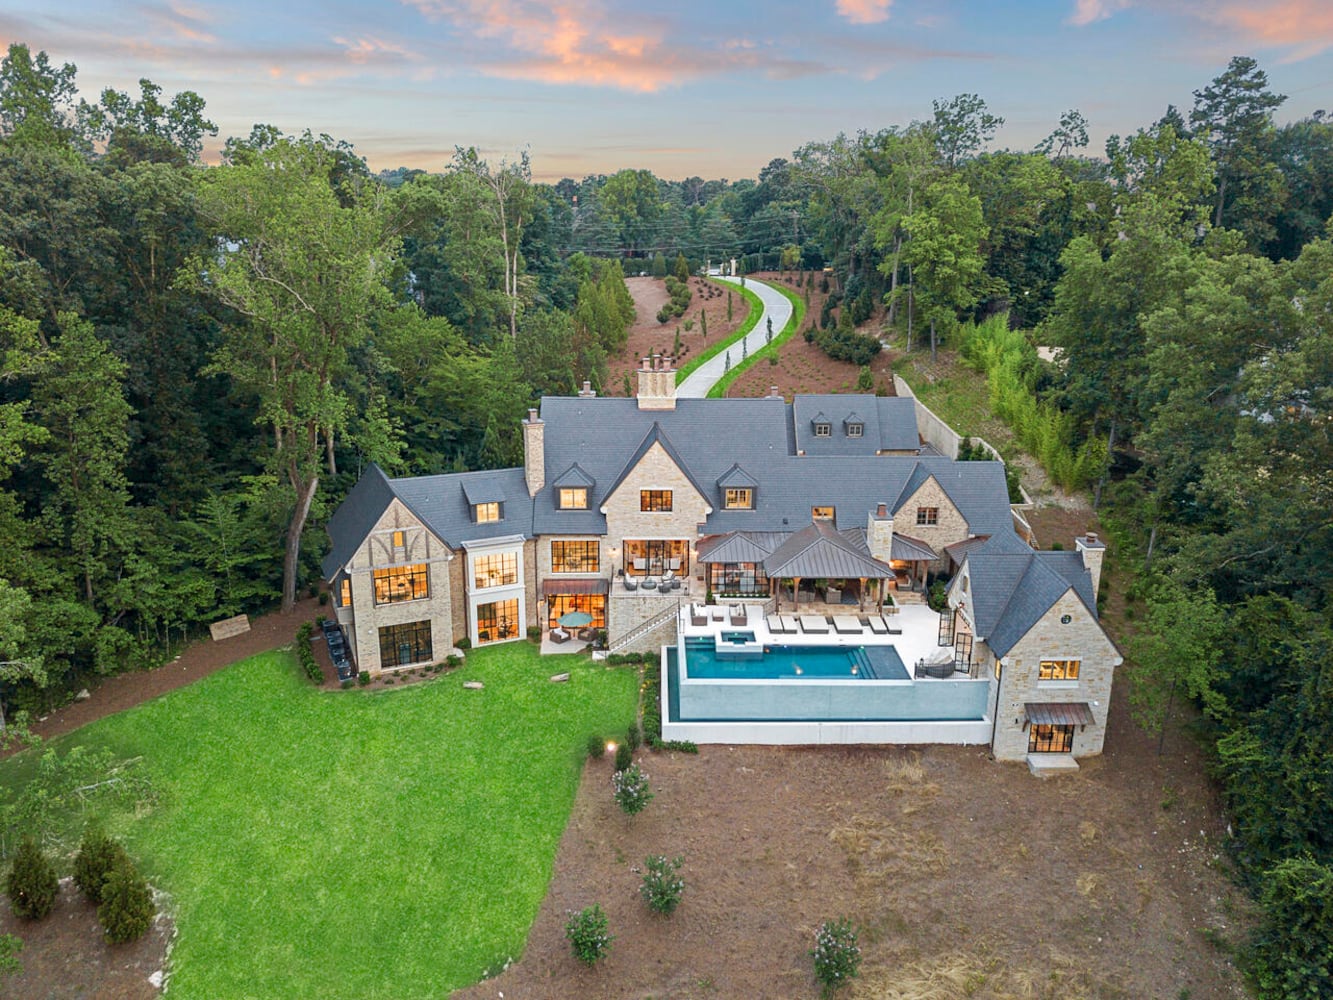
{"points": [[820, 552]]}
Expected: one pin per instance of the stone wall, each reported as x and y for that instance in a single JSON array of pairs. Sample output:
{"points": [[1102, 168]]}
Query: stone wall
{"points": [[950, 525]]}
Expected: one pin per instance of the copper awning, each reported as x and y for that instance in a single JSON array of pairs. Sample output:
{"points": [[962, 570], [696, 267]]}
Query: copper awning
{"points": [[1060, 713], [559, 588]]}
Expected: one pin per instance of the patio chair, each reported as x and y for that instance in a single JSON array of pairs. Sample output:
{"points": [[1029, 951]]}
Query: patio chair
{"points": [[739, 615], [559, 635], [631, 583], [587, 634], [698, 615]]}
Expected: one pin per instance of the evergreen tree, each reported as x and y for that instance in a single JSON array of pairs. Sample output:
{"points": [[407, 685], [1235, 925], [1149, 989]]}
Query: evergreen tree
{"points": [[127, 903], [98, 855], [32, 884]]}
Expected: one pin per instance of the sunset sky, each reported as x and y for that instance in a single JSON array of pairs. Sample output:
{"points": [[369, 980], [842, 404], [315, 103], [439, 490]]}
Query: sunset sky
{"points": [[714, 89]]}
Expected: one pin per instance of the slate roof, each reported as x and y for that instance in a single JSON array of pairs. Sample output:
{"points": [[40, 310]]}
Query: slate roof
{"points": [[736, 478], [890, 424], [574, 476], [735, 547], [355, 516], [818, 551], [1013, 586]]}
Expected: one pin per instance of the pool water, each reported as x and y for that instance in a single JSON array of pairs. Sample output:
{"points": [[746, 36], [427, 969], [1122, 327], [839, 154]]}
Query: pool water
{"points": [[843, 662]]}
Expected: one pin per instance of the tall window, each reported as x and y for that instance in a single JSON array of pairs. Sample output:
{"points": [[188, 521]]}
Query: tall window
{"points": [[397, 539], [346, 599], [487, 512], [1058, 670], [499, 569], [404, 644], [821, 513], [574, 498], [927, 515], [1044, 738], [655, 500], [739, 499], [402, 583], [653, 557], [575, 557], [497, 620], [738, 578], [563, 604]]}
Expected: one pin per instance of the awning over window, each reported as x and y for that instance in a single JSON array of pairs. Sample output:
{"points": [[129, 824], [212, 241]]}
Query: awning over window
{"points": [[563, 587], [1072, 713]]}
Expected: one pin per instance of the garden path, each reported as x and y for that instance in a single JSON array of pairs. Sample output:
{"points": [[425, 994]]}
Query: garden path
{"points": [[777, 308]]}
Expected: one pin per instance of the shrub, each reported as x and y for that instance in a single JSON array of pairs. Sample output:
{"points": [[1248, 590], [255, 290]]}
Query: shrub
{"points": [[680, 746], [837, 955], [652, 712], [631, 789], [662, 885], [363, 677], [596, 746], [1291, 952], [587, 932], [10, 946], [464, 643], [127, 904], [32, 885], [633, 738], [624, 756], [305, 655], [452, 661], [865, 379], [98, 855]]}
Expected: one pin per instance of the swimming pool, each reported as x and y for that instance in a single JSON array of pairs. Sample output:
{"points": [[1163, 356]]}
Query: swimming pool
{"points": [[776, 662]]}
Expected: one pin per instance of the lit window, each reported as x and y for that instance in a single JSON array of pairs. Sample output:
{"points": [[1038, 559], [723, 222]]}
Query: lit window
{"points": [[497, 621], [347, 592], [823, 430], [821, 513], [575, 557], [739, 499], [499, 569], [487, 512], [397, 539], [1058, 670], [655, 500], [574, 499], [927, 515], [1045, 738], [855, 430], [402, 583]]}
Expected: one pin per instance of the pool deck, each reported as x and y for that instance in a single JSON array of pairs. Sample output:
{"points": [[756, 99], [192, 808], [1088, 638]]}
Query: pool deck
{"points": [[918, 624]]}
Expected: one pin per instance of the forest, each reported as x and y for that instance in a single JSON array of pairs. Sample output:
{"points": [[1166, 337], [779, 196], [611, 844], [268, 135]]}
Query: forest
{"points": [[198, 362]]}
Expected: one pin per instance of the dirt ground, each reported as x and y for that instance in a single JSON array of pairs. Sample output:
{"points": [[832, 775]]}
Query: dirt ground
{"points": [[969, 878], [647, 336]]}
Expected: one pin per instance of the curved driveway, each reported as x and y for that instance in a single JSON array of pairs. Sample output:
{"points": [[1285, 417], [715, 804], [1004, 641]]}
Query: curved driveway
{"points": [[776, 307]]}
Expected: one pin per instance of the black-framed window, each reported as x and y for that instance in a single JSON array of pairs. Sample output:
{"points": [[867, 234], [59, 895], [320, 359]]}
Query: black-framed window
{"points": [[655, 556], [927, 515], [573, 498], [739, 498], [404, 644], [346, 592], [401, 583], [1048, 738], [1058, 670], [575, 557], [495, 569], [497, 620], [562, 604], [658, 501], [737, 578]]}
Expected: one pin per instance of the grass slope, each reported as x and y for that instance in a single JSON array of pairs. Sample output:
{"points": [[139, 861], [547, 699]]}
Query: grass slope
{"points": [[751, 319], [356, 845], [720, 387]]}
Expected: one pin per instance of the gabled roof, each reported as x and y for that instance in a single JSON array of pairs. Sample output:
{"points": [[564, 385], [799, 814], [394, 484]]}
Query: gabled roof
{"points": [[483, 489], [574, 477], [733, 547], [1012, 586], [819, 551], [658, 436], [907, 548], [889, 424], [364, 504], [736, 478]]}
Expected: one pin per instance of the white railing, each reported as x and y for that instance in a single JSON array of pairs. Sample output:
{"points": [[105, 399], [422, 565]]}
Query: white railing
{"points": [[643, 628]]}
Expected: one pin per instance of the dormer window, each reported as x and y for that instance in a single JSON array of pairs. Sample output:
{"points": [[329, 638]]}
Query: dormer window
{"points": [[855, 430], [821, 513], [574, 498], [823, 430], [853, 426], [739, 499], [486, 513]]}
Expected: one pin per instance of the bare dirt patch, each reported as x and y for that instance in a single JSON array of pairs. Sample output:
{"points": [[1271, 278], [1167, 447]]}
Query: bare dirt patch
{"points": [[647, 336], [967, 876], [66, 954]]}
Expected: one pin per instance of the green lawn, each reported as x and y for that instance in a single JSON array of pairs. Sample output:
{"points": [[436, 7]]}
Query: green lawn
{"points": [[343, 844]]}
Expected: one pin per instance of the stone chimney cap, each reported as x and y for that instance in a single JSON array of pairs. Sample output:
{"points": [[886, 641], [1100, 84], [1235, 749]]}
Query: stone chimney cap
{"points": [[1091, 541], [532, 415]]}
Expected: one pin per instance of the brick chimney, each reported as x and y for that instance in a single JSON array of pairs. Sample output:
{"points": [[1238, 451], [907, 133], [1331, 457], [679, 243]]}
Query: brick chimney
{"points": [[534, 452], [1092, 549], [879, 533], [657, 383]]}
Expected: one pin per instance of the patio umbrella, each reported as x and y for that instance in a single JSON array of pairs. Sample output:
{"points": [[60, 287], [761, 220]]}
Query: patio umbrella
{"points": [[574, 619]]}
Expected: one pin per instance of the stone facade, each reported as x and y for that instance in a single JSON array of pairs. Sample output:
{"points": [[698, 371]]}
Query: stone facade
{"points": [[1080, 639], [656, 471], [365, 618], [950, 526]]}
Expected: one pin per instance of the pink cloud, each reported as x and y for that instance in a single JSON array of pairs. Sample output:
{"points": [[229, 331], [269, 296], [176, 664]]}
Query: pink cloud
{"points": [[865, 11], [1091, 11], [1306, 26], [367, 48]]}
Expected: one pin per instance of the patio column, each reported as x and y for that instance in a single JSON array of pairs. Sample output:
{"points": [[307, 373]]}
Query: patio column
{"points": [[795, 593], [861, 594]]}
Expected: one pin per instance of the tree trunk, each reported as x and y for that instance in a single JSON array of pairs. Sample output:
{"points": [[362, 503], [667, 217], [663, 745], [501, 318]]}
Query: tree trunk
{"points": [[1106, 469], [934, 341], [1221, 200], [305, 495], [893, 280], [1152, 544], [328, 451], [909, 308]]}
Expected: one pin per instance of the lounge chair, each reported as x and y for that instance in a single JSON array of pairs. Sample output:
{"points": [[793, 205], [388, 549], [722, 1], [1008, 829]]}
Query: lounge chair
{"points": [[775, 625], [559, 635], [813, 624], [846, 625], [877, 625], [698, 615], [739, 615]]}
